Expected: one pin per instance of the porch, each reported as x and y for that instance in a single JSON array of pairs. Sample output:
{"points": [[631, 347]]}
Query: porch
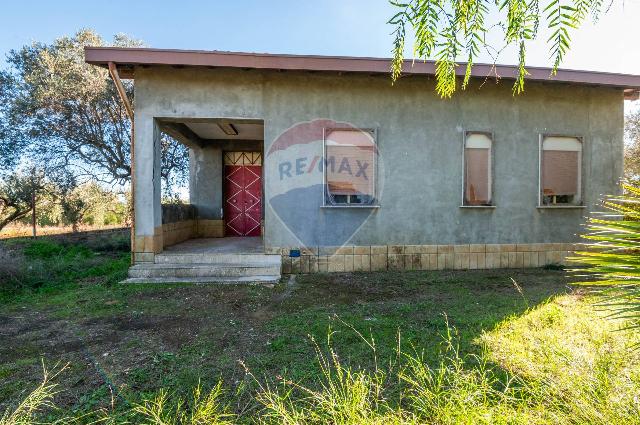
{"points": [[205, 260], [217, 236], [214, 246]]}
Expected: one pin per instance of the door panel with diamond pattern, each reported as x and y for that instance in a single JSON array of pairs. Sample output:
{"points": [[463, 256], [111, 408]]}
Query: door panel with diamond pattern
{"points": [[243, 193]]}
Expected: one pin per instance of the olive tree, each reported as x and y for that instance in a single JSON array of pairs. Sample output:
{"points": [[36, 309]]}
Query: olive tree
{"points": [[18, 191], [56, 108]]}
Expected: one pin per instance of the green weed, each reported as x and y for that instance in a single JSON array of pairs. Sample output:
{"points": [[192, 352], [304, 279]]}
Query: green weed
{"points": [[53, 266]]}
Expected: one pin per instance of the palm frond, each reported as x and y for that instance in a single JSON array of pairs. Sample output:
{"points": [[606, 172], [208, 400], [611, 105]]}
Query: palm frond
{"points": [[610, 259]]}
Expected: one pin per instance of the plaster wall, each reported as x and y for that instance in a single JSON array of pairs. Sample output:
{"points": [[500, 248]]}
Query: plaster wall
{"points": [[420, 144], [205, 181]]}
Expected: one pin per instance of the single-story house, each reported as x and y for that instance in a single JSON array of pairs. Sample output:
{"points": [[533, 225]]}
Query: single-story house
{"points": [[305, 164]]}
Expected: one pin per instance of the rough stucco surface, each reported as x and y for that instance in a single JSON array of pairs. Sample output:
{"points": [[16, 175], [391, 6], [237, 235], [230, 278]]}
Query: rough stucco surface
{"points": [[420, 143], [205, 181]]}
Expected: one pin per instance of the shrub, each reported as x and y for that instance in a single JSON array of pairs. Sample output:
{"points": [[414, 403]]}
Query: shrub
{"points": [[40, 249]]}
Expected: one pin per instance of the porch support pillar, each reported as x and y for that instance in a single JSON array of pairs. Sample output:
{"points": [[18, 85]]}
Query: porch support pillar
{"points": [[148, 209]]}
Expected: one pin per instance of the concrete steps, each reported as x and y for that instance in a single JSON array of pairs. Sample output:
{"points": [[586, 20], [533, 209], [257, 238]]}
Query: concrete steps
{"points": [[222, 258], [202, 270], [205, 280], [208, 268]]}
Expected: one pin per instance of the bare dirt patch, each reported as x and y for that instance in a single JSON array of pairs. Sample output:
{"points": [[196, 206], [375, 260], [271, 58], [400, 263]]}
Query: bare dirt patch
{"points": [[130, 339]]}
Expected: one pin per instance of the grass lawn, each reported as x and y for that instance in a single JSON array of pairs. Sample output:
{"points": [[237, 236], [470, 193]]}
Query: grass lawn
{"points": [[538, 352]]}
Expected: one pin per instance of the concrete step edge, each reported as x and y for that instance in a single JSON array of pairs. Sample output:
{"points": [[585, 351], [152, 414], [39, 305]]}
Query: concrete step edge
{"points": [[164, 266], [190, 259], [203, 272], [221, 254], [207, 280]]}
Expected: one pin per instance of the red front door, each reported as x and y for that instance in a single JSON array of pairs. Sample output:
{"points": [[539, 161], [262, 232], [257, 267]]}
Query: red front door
{"points": [[242, 193]]}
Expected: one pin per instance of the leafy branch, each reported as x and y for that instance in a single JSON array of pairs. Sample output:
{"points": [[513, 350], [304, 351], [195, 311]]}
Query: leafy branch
{"points": [[445, 30]]}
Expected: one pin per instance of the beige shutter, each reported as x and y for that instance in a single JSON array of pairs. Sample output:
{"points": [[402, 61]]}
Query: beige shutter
{"points": [[477, 170], [350, 156], [560, 168], [559, 173]]}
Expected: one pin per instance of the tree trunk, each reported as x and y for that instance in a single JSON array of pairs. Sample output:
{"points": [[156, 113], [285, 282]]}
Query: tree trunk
{"points": [[16, 215], [33, 213]]}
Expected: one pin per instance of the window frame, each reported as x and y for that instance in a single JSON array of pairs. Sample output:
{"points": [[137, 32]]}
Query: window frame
{"points": [[491, 168], [375, 203], [581, 140]]}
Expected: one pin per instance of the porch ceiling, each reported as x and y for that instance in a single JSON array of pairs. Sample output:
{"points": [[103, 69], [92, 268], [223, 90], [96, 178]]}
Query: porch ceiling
{"points": [[211, 130], [200, 131]]}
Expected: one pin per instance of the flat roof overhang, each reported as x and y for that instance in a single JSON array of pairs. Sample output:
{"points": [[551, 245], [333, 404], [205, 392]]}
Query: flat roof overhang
{"points": [[126, 59]]}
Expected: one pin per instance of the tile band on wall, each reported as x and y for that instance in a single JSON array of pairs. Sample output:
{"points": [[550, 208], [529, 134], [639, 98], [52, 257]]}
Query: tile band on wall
{"points": [[423, 257]]}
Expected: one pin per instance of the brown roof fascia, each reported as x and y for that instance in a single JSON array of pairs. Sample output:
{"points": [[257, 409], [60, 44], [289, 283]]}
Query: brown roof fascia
{"points": [[128, 58]]}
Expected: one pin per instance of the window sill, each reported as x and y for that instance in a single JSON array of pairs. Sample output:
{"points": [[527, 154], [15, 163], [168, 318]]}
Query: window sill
{"points": [[350, 206], [561, 207], [478, 206]]}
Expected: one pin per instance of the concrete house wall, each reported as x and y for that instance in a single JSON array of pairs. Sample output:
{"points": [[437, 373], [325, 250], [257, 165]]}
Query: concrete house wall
{"points": [[419, 137]]}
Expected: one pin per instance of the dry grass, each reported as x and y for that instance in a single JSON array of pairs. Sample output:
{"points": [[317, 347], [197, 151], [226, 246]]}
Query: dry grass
{"points": [[581, 364], [21, 231]]}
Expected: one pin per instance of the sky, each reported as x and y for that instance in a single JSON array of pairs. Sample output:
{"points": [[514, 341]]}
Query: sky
{"points": [[325, 27]]}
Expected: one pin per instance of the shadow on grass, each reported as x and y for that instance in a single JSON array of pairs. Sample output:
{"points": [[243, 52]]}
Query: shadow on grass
{"points": [[412, 305], [558, 361], [138, 339]]}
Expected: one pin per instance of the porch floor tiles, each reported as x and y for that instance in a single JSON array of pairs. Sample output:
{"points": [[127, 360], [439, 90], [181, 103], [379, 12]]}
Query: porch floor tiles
{"points": [[231, 245]]}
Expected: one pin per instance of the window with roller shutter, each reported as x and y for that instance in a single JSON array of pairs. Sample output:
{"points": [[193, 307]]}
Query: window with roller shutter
{"points": [[350, 167], [560, 171], [477, 169]]}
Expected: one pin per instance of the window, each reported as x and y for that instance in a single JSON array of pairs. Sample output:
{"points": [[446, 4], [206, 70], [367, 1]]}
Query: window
{"points": [[560, 171], [350, 166], [477, 169]]}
